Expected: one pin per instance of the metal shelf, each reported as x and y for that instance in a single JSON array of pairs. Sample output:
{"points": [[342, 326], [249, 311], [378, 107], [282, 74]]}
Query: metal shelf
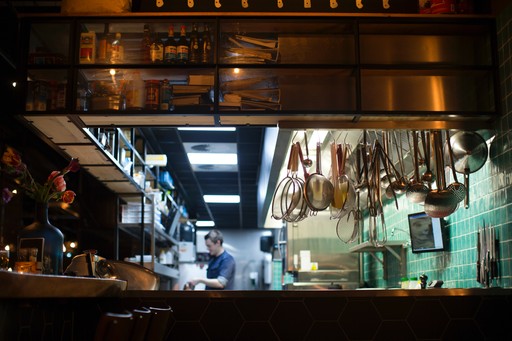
{"points": [[388, 247]]}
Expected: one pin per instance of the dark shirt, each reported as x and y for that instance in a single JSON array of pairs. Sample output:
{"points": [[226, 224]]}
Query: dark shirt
{"points": [[222, 266]]}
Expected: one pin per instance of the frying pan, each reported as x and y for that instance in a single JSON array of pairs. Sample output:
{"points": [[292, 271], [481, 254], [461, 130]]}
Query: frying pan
{"points": [[469, 155], [318, 190]]}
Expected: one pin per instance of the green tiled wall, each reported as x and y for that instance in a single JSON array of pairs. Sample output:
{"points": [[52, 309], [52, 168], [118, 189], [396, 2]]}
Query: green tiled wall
{"points": [[490, 203]]}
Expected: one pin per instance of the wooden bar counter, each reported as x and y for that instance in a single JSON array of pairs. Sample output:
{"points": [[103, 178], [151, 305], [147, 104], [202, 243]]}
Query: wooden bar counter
{"points": [[393, 314]]}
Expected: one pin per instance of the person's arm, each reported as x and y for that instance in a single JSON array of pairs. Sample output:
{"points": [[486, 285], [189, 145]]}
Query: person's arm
{"points": [[210, 282]]}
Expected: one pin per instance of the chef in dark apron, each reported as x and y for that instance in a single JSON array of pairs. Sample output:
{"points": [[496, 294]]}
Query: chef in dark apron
{"points": [[221, 267]]}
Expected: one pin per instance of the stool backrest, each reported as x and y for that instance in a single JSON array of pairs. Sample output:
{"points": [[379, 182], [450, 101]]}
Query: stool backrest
{"points": [[114, 326]]}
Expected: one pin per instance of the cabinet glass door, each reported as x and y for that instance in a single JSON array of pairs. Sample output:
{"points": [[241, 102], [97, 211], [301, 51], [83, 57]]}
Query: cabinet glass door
{"points": [[154, 42], [49, 43], [287, 89], [153, 89], [287, 42]]}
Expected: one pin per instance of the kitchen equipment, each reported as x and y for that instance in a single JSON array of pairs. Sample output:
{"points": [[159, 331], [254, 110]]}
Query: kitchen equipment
{"points": [[416, 191], [385, 180], [318, 190], [399, 186], [428, 176], [307, 162], [344, 195], [439, 202], [287, 194], [470, 154], [487, 256], [458, 189], [300, 211], [89, 264], [338, 199]]}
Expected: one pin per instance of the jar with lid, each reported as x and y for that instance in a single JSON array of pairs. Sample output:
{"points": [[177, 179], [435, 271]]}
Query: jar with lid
{"points": [[152, 94], [414, 283]]}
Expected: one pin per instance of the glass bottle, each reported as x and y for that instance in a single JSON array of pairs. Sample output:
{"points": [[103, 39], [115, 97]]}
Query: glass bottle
{"points": [[170, 47], [152, 94], [194, 52], [156, 51], [145, 44], [117, 51], [206, 45], [135, 93], [104, 45], [182, 46], [165, 95]]}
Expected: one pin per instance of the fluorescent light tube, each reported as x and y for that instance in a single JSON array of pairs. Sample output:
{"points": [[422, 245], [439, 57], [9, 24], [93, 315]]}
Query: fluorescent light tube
{"points": [[212, 158], [205, 223], [207, 129], [222, 199]]}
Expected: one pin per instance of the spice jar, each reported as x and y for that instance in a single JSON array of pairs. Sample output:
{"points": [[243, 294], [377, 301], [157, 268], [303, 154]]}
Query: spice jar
{"points": [[152, 94]]}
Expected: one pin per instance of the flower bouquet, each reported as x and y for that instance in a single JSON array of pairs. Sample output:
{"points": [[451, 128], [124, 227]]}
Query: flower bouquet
{"points": [[53, 189]]}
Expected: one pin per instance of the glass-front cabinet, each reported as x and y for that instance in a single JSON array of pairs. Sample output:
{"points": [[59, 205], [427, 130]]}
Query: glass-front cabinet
{"points": [[227, 71]]}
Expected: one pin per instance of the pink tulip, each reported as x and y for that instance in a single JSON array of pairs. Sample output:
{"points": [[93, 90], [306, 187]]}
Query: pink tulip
{"points": [[59, 183], [53, 175]]}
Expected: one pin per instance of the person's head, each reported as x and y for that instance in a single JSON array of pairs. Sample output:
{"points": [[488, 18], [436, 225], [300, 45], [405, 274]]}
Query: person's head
{"points": [[422, 228], [214, 240]]}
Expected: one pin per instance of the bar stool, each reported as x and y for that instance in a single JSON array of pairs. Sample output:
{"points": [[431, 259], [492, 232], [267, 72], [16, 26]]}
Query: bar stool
{"points": [[158, 326], [114, 326], [141, 317]]}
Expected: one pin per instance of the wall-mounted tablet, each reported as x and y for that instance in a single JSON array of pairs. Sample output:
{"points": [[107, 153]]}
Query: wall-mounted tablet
{"points": [[426, 233]]}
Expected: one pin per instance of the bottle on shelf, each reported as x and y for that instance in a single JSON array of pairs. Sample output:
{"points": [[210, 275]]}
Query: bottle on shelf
{"points": [[104, 45], [182, 47], [152, 94], [117, 50], [170, 47], [145, 45], [156, 50], [165, 95], [87, 52], [135, 93], [193, 51], [206, 45], [161, 258]]}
